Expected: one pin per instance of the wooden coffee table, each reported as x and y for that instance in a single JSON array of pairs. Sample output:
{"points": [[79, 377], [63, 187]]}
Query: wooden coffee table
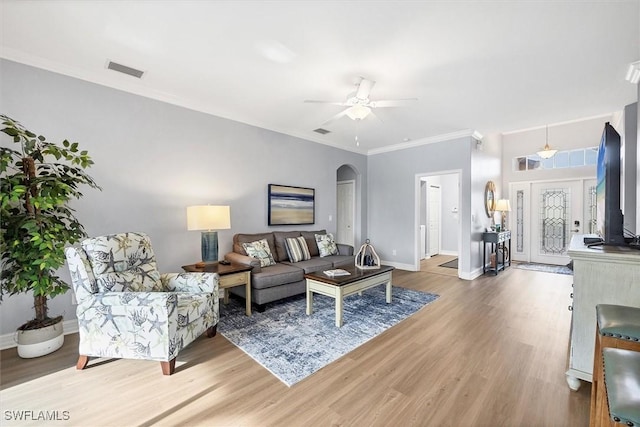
{"points": [[230, 275], [343, 286]]}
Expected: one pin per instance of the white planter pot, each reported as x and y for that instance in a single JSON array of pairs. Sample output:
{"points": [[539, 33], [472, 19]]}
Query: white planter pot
{"points": [[38, 342]]}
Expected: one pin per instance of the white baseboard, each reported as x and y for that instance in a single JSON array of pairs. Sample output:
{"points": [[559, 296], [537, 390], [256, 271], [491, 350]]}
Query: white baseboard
{"points": [[399, 265], [9, 340], [472, 275], [451, 253]]}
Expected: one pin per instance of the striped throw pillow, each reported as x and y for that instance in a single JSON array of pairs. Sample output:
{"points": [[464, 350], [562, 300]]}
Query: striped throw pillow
{"points": [[297, 249]]}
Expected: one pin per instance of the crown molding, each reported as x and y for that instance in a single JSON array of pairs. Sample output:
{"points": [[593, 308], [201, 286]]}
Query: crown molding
{"points": [[568, 122], [422, 141]]}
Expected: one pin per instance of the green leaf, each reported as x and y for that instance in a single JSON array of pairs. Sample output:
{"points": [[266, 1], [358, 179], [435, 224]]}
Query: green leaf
{"points": [[33, 241]]}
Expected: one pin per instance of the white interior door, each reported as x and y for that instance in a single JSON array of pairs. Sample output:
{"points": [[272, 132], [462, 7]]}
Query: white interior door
{"points": [[556, 215], [345, 220], [434, 208]]}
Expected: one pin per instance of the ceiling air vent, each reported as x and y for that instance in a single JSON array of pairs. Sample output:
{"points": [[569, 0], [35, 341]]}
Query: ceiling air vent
{"points": [[124, 69], [322, 131]]}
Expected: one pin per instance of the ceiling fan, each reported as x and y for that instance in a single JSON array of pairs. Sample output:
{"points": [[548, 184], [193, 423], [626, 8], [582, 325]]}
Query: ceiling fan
{"points": [[358, 102]]}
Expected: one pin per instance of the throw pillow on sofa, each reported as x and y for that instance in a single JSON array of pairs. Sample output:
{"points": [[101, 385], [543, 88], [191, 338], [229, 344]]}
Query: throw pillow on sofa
{"points": [[260, 250], [297, 249], [326, 245]]}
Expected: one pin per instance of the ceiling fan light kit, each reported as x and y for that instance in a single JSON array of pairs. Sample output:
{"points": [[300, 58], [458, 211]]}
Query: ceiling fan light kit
{"points": [[358, 112], [358, 104]]}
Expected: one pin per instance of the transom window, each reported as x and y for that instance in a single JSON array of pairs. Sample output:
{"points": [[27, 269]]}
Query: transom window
{"points": [[563, 159]]}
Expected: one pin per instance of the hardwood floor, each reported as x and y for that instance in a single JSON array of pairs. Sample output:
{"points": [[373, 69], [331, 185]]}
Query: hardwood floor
{"points": [[432, 265], [488, 352]]}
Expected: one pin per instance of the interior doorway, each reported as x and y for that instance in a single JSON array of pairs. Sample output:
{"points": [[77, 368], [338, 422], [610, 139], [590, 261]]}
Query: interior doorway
{"points": [[345, 218], [348, 206], [438, 223]]}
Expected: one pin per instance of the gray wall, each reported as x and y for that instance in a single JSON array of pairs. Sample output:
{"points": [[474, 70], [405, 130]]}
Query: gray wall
{"points": [[394, 200], [154, 159], [485, 166]]}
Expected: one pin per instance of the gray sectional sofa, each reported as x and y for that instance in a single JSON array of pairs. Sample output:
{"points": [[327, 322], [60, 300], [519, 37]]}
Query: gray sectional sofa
{"points": [[285, 278]]}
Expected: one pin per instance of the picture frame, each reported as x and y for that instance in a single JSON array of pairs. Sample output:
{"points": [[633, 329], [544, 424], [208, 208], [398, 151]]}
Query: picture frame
{"points": [[289, 205]]}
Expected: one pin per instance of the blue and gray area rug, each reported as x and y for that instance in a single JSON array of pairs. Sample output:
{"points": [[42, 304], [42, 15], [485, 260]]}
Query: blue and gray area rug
{"points": [[547, 268], [292, 345]]}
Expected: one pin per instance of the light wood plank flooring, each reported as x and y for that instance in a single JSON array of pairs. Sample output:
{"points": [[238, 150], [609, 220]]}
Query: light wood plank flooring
{"points": [[488, 352], [432, 265]]}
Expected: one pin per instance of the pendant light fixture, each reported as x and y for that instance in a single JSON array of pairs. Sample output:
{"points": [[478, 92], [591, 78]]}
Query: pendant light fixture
{"points": [[547, 152]]}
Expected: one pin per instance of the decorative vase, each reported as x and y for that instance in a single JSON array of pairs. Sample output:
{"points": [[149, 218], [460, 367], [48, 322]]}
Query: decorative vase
{"points": [[367, 258], [39, 342]]}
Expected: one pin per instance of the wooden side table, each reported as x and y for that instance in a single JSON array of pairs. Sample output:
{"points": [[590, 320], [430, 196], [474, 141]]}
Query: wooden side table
{"points": [[230, 275]]}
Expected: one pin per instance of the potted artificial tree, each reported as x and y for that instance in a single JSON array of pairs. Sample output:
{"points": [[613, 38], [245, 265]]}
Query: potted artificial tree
{"points": [[38, 181]]}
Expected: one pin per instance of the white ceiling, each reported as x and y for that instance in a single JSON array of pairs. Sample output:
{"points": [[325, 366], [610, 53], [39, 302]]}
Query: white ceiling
{"points": [[490, 66]]}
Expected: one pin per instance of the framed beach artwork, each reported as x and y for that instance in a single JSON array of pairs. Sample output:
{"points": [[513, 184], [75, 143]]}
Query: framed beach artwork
{"points": [[291, 205]]}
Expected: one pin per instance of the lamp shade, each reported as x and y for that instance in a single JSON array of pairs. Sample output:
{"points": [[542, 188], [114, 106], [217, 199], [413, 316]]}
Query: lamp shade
{"points": [[207, 217], [503, 205]]}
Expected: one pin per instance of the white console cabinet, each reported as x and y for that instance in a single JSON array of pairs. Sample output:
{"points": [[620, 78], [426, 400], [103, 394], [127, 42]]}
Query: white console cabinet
{"points": [[601, 275]]}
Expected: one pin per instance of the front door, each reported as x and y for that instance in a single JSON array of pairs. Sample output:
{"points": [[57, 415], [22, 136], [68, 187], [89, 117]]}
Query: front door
{"points": [[556, 215]]}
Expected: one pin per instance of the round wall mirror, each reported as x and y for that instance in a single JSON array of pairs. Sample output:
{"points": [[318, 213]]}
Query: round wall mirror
{"points": [[490, 198]]}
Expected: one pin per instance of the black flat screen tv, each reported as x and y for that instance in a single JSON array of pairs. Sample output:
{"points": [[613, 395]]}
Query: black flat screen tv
{"points": [[609, 219]]}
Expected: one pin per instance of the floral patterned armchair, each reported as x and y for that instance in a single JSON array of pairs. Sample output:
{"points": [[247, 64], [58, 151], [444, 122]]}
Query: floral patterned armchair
{"points": [[127, 309]]}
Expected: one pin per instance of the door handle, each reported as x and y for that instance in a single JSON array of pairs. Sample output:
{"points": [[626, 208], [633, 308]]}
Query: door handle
{"points": [[575, 230]]}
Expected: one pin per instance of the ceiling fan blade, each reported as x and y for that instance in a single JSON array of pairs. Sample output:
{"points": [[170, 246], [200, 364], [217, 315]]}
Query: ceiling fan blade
{"points": [[312, 101], [372, 114], [336, 117], [364, 88], [392, 103]]}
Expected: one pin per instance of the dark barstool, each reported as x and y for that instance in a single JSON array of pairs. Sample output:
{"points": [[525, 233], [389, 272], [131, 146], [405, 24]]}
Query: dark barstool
{"points": [[617, 327], [622, 385]]}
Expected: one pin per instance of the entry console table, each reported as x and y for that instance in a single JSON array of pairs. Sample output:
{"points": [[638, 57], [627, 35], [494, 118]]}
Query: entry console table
{"points": [[499, 245], [601, 275]]}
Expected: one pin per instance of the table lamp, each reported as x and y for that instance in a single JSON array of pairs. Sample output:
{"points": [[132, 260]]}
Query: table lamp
{"points": [[208, 218], [503, 206]]}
